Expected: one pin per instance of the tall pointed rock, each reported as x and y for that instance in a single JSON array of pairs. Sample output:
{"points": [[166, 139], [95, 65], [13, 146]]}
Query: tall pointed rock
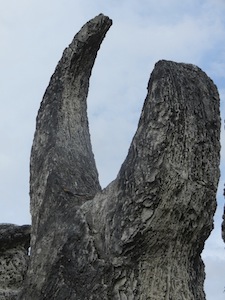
{"points": [[151, 223], [63, 174]]}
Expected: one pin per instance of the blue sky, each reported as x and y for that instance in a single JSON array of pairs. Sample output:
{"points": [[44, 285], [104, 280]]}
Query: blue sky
{"points": [[33, 36]]}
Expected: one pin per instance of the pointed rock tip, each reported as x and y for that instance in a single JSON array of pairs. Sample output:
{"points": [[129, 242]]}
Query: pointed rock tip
{"points": [[100, 20], [102, 17], [97, 27]]}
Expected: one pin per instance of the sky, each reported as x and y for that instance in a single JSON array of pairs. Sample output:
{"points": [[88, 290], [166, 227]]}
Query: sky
{"points": [[33, 35]]}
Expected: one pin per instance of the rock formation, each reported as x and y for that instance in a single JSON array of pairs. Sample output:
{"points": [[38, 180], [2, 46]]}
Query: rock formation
{"points": [[141, 237], [14, 244], [223, 225]]}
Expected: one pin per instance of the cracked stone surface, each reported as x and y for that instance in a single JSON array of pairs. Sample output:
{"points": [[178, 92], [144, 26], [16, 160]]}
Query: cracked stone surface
{"points": [[141, 237]]}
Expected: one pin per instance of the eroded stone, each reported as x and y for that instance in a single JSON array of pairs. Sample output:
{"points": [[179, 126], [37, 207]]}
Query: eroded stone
{"points": [[142, 236]]}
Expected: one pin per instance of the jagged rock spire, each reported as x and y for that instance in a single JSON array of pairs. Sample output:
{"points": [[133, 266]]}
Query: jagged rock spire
{"points": [[141, 237], [63, 174]]}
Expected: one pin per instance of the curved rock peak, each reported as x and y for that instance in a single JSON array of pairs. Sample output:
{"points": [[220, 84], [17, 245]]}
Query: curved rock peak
{"points": [[14, 244], [142, 236]]}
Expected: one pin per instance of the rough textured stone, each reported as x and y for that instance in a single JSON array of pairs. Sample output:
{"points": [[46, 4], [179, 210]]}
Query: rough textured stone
{"points": [[14, 244], [223, 225], [141, 237]]}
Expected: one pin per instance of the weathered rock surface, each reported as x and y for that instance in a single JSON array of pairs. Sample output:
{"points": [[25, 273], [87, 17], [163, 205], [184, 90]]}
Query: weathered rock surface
{"points": [[141, 237], [223, 225], [14, 244]]}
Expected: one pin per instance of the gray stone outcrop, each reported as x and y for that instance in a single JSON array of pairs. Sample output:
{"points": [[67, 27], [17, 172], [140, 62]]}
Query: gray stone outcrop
{"points": [[14, 244], [142, 236]]}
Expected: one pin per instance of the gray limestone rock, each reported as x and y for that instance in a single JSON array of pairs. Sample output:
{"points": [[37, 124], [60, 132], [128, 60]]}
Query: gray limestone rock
{"points": [[141, 237], [14, 244]]}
